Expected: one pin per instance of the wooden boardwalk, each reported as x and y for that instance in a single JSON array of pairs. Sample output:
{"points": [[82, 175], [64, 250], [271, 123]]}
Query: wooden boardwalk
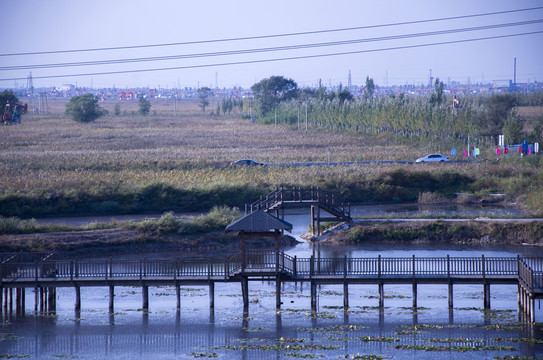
{"points": [[45, 275]]}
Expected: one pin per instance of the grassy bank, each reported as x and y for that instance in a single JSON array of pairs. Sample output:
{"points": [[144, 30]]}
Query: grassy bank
{"points": [[442, 232], [124, 164], [18, 235], [168, 224]]}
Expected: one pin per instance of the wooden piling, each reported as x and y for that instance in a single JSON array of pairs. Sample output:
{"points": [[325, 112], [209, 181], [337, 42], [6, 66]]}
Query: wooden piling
{"points": [[111, 298], [486, 296], [277, 292], [77, 304], [211, 295], [313, 296], [450, 286], [414, 288], [145, 297], [245, 291], [381, 294], [178, 296], [345, 295]]}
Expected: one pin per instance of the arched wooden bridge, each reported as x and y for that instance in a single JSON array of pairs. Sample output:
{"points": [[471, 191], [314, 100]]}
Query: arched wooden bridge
{"points": [[316, 198]]}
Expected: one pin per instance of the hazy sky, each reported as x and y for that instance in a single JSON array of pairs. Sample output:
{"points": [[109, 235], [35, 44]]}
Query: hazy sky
{"points": [[31, 26]]}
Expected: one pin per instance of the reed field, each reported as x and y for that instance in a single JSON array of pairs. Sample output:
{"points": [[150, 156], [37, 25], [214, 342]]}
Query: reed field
{"points": [[177, 159]]}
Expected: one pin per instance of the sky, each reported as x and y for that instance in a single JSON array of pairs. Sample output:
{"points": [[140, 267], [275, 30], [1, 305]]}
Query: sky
{"points": [[198, 33]]}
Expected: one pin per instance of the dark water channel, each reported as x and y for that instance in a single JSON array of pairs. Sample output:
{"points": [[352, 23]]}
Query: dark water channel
{"points": [[396, 331]]}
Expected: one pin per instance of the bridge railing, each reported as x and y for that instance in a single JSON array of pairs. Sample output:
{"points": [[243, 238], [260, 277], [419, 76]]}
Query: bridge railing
{"points": [[405, 267], [300, 195], [270, 261]]}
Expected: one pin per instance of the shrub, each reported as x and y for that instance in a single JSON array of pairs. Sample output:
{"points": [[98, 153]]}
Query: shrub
{"points": [[84, 108]]}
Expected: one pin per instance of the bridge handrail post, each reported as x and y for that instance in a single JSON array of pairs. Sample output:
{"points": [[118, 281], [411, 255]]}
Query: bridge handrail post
{"points": [[107, 266], [141, 269], [413, 267], [311, 266], [379, 266], [71, 270], [483, 267], [175, 268], [448, 267], [518, 266], [144, 267], [294, 267], [345, 267], [36, 270]]}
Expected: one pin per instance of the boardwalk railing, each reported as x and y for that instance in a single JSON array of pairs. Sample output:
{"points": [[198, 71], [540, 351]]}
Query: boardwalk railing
{"points": [[527, 271], [299, 196]]}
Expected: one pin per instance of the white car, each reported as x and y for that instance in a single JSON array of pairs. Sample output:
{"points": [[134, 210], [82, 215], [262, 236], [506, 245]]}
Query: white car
{"points": [[432, 158]]}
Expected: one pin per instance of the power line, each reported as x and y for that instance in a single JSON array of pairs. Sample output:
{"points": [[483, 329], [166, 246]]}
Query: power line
{"points": [[267, 49], [274, 35], [280, 59]]}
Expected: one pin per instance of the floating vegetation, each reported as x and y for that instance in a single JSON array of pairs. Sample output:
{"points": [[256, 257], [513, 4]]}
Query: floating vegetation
{"points": [[305, 356], [11, 356], [407, 332], [324, 315], [526, 340], [332, 330], [272, 347], [517, 357], [459, 340], [389, 297], [418, 308], [6, 337], [66, 356], [203, 355], [455, 348], [331, 292], [385, 339], [291, 340], [503, 327], [297, 310], [257, 329], [438, 327], [333, 307], [364, 357]]}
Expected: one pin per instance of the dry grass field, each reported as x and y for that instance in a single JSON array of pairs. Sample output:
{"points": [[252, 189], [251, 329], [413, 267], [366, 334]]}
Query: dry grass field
{"points": [[177, 158]]}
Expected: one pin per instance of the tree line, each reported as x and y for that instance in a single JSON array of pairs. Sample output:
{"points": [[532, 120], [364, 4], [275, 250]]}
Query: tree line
{"points": [[434, 116]]}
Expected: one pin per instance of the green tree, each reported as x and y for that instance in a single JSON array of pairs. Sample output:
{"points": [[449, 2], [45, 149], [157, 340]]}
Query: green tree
{"points": [[117, 109], [84, 108], [271, 91], [144, 106], [537, 133], [512, 128], [437, 97], [344, 95], [4, 97], [369, 91], [498, 108], [204, 94]]}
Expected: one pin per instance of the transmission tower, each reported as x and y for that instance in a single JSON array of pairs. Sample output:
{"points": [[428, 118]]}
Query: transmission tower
{"points": [[30, 89]]}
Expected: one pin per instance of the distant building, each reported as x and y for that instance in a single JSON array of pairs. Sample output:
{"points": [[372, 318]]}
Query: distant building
{"points": [[502, 85]]}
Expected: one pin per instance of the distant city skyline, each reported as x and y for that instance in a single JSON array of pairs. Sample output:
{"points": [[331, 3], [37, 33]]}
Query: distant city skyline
{"points": [[176, 44]]}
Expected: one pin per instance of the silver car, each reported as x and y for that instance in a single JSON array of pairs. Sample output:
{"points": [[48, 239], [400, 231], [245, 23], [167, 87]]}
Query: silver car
{"points": [[432, 158]]}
